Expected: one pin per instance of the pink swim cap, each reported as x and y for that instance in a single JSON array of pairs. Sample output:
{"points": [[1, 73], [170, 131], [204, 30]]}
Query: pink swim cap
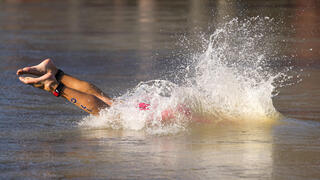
{"points": [[144, 106]]}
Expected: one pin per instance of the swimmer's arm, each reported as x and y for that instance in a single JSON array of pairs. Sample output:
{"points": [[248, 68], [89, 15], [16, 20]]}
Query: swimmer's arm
{"points": [[86, 102]]}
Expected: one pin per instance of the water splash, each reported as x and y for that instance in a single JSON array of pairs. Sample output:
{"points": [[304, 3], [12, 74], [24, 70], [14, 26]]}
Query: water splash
{"points": [[232, 79]]}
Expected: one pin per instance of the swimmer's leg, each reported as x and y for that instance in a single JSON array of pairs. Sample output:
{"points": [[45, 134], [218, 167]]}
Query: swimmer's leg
{"points": [[85, 87], [87, 102], [47, 67]]}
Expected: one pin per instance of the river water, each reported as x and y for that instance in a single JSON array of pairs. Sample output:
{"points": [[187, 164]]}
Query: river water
{"points": [[249, 69]]}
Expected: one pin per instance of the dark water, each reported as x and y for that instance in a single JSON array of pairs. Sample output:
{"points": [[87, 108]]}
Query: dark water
{"points": [[115, 45]]}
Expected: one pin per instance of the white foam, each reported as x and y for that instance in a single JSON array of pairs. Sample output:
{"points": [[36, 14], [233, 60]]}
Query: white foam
{"points": [[232, 80]]}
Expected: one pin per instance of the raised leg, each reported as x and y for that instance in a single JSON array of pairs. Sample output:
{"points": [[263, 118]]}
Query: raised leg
{"points": [[83, 94], [47, 67], [85, 87]]}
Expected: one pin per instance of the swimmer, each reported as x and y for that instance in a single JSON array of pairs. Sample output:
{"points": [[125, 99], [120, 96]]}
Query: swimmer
{"points": [[80, 93], [83, 94]]}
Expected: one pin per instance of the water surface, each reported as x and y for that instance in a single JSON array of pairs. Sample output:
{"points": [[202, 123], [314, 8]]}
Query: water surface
{"points": [[117, 44]]}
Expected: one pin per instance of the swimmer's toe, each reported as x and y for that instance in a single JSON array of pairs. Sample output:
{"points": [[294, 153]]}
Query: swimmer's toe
{"points": [[29, 70]]}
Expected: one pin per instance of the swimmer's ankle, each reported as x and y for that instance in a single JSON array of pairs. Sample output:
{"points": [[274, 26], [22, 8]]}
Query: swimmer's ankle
{"points": [[49, 66], [53, 86], [48, 85]]}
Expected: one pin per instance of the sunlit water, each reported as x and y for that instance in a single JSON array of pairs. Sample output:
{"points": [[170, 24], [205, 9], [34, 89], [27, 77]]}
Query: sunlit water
{"points": [[241, 82], [229, 81]]}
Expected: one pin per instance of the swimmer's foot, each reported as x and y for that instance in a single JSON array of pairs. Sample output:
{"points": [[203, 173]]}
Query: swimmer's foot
{"points": [[41, 69], [46, 82]]}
